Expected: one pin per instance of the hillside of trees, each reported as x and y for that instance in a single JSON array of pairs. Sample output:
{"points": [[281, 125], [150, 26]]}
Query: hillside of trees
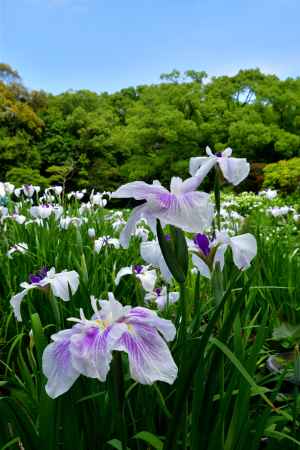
{"points": [[146, 132]]}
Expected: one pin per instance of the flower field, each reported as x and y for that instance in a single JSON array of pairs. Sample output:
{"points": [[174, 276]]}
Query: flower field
{"points": [[172, 325]]}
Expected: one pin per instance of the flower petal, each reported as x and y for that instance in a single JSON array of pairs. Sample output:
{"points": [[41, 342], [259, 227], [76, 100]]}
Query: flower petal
{"points": [[196, 162], [244, 249], [138, 190], [57, 365], [191, 212], [60, 284], [234, 170], [149, 357], [127, 231], [122, 272], [201, 266], [148, 279], [140, 315], [16, 301], [151, 253]]}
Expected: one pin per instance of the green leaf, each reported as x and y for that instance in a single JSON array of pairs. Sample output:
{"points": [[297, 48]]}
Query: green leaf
{"points": [[115, 443], [255, 388], [169, 254], [150, 439]]}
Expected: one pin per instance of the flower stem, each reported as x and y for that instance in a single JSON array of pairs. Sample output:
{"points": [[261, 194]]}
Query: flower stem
{"points": [[118, 392]]}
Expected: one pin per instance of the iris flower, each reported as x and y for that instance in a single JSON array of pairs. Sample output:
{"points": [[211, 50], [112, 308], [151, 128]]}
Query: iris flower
{"points": [[234, 170], [182, 206], [206, 254], [87, 347], [147, 277], [105, 241], [161, 297], [58, 282]]}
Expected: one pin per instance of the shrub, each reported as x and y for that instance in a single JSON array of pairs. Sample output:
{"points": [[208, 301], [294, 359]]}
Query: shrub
{"points": [[284, 175]]}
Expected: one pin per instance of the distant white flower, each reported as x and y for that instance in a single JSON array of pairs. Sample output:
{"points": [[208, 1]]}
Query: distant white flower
{"points": [[21, 247], [91, 233], [98, 200], [278, 211], [2, 190], [269, 194], [65, 222], [57, 189], [58, 282], [118, 223], [147, 277], [105, 241], [19, 218], [161, 297], [234, 170], [142, 233], [9, 188]]}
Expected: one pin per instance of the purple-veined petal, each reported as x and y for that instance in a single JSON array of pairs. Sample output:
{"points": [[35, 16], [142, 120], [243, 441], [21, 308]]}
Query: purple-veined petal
{"points": [[191, 212], [57, 365], [149, 357], [140, 315], [91, 349]]}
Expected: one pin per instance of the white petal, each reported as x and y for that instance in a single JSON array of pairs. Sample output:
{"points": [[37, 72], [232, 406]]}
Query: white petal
{"points": [[244, 249], [148, 279], [220, 255], [61, 282], [201, 266], [127, 231], [138, 190], [234, 170], [151, 253], [227, 152], [122, 272], [16, 301], [196, 162], [191, 184]]}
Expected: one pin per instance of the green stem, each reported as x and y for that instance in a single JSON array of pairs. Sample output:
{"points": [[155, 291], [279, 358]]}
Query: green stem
{"points": [[118, 391], [183, 323], [217, 192]]}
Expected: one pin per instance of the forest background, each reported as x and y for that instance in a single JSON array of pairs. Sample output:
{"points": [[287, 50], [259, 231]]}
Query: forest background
{"points": [[101, 140]]}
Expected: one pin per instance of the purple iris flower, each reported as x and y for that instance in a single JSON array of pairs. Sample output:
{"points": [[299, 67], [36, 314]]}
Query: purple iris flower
{"points": [[87, 347], [202, 243], [183, 206]]}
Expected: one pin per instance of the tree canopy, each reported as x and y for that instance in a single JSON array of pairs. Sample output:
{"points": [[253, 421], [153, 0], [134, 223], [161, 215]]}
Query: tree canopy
{"points": [[144, 132]]}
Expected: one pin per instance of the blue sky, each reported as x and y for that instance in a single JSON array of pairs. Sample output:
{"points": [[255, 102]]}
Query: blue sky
{"points": [[105, 45]]}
